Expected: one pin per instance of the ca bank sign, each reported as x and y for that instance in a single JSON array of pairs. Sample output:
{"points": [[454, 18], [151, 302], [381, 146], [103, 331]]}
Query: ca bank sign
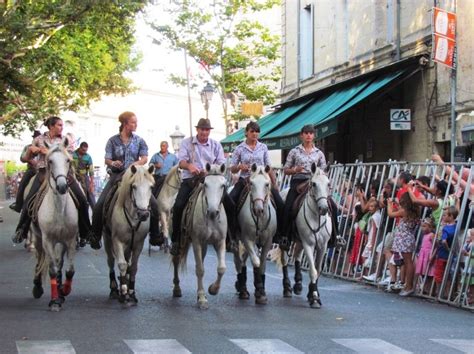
{"points": [[400, 119]]}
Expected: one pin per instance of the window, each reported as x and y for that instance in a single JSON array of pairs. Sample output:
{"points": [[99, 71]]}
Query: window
{"points": [[306, 42]]}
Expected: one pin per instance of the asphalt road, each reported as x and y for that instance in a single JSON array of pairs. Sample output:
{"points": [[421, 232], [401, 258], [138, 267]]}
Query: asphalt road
{"points": [[354, 317]]}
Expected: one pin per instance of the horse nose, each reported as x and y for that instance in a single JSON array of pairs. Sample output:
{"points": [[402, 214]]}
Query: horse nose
{"points": [[258, 212], [61, 188], [213, 214], [143, 215], [323, 210]]}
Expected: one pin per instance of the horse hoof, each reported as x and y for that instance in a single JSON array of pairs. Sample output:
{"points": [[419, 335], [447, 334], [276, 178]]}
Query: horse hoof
{"points": [[177, 292], [55, 305], [315, 304], [244, 295], [38, 292], [132, 299], [114, 295], [261, 300], [213, 289], [122, 298], [287, 293], [203, 305], [297, 288]]}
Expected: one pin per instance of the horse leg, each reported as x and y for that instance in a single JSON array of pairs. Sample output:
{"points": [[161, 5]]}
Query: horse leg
{"points": [[298, 286], [113, 285], [313, 276], [122, 266], [164, 230], [320, 252], [241, 283], [37, 280], [133, 273], [221, 267], [55, 302], [71, 250], [60, 250], [176, 288], [250, 247], [259, 280], [198, 258]]}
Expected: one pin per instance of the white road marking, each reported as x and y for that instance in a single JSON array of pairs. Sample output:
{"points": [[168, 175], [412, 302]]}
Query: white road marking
{"points": [[256, 346], [162, 346], [44, 346], [370, 345], [463, 345]]}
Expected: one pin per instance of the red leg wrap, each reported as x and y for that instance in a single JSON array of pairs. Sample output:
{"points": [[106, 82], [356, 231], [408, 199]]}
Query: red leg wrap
{"points": [[67, 286], [54, 289]]}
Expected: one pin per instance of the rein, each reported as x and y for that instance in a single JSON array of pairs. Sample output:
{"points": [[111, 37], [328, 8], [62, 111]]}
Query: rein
{"points": [[255, 218], [129, 218], [314, 212], [167, 182]]}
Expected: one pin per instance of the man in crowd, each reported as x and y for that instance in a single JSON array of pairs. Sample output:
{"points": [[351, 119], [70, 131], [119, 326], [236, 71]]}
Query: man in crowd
{"points": [[85, 171], [163, 162]]}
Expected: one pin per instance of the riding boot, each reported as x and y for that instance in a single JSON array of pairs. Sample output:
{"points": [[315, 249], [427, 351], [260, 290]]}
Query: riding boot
{"points": [[232, 224], [182, 198], [156, 239], [21, 232], [85, 230], [335, 227]]}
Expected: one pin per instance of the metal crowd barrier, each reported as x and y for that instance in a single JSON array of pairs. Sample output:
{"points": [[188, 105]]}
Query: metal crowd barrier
{"points": [[457, 286]]}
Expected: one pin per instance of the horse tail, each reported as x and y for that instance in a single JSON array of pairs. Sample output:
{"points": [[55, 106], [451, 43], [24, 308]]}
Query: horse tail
{"points": [[184, 255], [276, 255], [43, 261]]}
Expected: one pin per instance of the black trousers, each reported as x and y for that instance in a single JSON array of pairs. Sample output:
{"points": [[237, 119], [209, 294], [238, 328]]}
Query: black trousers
{"points": [[290, 200], [84, 222], [29, 174], [98, 214], [159, 180], [182, 198]]}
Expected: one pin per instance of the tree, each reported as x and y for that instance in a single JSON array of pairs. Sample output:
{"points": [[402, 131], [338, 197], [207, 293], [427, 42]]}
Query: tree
{"points": [[59, 55], [237, 53]]}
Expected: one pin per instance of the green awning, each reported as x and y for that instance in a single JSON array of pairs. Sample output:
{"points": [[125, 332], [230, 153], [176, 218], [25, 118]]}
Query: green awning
{"points": [[322, 112], [267, 124]]}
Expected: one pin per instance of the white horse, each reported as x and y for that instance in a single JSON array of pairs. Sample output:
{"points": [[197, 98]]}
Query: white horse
{"points": [[208, 225], [125, 229], [57, 228], [258, 223], [165, 200], [313, 226]]}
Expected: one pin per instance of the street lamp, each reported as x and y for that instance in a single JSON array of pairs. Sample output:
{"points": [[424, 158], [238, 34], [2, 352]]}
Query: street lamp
{"points": [[206, 97], [176, 139]]}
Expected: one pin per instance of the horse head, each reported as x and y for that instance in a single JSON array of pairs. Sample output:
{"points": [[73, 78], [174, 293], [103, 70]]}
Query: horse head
{"points": [[213, 189], [260, 183], [58, 163], [141, 184], [319, 189]]}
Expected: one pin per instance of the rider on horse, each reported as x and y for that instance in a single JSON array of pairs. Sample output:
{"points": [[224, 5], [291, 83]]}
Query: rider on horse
{"points": [[298, 163], [193, 155], [122, 150], [30, 159], [53, 136], [249, 152]]}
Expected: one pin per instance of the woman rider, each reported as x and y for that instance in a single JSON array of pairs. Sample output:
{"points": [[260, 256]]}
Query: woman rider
{"points": [[298, 164], [249, 152], [122, 150], [39, 149]]}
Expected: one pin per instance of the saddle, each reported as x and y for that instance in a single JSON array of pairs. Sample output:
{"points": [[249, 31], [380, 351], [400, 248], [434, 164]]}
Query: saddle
{"points": [[110, 200], [187, 219], [302, 190]]}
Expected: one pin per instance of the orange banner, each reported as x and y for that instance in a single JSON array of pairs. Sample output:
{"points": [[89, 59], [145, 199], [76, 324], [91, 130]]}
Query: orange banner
{"points": [[444, 23], [443, 50]]}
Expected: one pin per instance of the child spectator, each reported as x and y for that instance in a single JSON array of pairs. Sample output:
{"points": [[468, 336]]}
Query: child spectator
{"points": [[441, 253], [404, 240], [468, 253], [423, 267], [372, 228]]}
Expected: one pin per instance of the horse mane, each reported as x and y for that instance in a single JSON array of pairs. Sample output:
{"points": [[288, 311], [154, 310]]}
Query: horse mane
{"points": [[173, 171]]}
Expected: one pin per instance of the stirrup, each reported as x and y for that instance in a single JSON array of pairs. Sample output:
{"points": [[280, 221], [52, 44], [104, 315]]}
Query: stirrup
{"points": [[285, 243]]}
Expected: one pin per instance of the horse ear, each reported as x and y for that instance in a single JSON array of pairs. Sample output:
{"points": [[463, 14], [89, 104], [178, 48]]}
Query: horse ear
{"points": [[254, 167], [134, 169], [223, 168], [151, 169], [313, 168], [267, 169], [66, 143], [208, 167]]}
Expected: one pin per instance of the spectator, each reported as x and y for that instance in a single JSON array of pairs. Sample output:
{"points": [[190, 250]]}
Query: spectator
{"points": [[163, 162], [404, 239], [468, 253], [84, 169], [443, 246], [372, 230], [423, 265]]}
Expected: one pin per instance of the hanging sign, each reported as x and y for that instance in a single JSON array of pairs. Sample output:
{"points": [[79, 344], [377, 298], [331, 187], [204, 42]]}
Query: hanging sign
{"points": [[400, 119], [444, 37]]}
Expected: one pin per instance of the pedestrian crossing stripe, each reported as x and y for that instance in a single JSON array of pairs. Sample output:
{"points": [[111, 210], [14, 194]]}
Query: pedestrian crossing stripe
{"points": [[156, 346], [370, 345], [463, 345], [253, 346], [256, 346], [44, 347]]}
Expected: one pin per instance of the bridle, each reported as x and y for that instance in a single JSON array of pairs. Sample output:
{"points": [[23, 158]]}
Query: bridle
{"points": [[306, 204], [255, 217], [55, 178], [130, 218]]}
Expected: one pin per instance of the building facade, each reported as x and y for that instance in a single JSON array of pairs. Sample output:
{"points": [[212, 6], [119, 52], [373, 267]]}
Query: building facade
{"points": [[329, 46]]}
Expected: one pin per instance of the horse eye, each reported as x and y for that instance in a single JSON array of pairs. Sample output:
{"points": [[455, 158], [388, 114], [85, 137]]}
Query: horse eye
{"points": [[134, 187]]}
